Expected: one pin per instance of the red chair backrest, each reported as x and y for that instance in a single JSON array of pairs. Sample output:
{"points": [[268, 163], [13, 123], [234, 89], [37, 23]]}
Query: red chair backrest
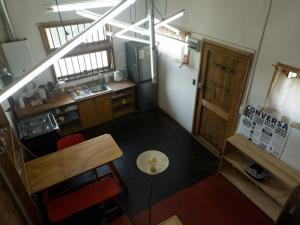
{"points": [[69, 141]]}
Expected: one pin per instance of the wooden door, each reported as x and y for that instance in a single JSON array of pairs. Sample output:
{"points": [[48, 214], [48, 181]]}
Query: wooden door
{"points": [[103, 106], [222, 78], [88, 113]]}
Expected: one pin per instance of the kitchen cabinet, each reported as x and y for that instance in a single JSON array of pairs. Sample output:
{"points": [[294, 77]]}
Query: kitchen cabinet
{"points": [[74, 116], [123, 102], [94, 111]]}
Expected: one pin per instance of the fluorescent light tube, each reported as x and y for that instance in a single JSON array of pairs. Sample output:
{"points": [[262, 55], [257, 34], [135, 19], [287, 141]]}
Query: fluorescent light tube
{"points": [[59, 53], [171, 28], [120, 24], [116, 23], [131, 26], [126, 37], [170, 19], [81, 5]]}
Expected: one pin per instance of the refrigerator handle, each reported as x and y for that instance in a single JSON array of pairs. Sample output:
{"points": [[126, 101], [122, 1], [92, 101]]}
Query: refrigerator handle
{"points": [[137, 64]]}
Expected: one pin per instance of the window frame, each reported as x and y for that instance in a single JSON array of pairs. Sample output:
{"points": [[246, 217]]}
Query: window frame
{"points": [[84, 48], [183, 36], [285, 69]]}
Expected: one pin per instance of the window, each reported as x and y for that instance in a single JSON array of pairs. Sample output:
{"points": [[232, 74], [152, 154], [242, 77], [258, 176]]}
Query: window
{"points": [[91, 57], [283, 97], [172, 45]]}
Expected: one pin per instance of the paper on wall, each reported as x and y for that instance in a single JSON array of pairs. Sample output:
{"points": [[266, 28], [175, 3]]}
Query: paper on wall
{"points": [[264, 130]]}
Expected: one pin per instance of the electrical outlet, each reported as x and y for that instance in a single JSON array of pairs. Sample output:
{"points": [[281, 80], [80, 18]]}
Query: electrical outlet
{"points": [[194, 81]]}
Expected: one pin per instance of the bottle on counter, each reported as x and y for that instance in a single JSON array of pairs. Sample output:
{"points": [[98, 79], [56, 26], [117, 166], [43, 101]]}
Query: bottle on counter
{"points": [[101, 79], [21, 101]]}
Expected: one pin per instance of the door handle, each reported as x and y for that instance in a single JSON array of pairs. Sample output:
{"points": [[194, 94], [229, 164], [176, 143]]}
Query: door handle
{"points": [[200, 85]]}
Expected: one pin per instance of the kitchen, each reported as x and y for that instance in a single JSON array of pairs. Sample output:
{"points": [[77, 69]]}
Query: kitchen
{"points": [[116, 101]]}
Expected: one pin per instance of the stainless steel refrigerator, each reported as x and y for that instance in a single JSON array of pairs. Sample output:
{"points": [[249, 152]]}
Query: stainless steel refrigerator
{"points": [[139, 71]]}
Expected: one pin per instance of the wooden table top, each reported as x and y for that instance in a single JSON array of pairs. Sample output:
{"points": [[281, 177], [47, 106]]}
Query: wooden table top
{"points": [[59, 166], [174, 220]]}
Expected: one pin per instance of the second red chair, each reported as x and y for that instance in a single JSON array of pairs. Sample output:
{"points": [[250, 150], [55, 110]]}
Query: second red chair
{"points": [[69, 141]]}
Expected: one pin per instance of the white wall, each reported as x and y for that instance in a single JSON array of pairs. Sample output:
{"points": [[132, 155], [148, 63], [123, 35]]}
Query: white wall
{"points": [[3, 35], [280, 44], [237, 23], [176, 92]]}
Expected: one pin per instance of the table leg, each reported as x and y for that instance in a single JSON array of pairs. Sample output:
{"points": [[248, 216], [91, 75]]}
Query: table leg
{"points": [[117, 175]]}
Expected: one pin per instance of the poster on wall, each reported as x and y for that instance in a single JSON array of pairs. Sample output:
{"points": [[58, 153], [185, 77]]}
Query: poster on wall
{"points": [[264, 130]]}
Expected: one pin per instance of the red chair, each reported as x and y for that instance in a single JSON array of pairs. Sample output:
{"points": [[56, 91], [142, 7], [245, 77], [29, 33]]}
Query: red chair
{"points": [[69, 141], [83, 197]]}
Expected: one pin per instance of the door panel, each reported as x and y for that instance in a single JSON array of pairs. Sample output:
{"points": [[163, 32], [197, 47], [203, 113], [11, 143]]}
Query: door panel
{"points": [[103, 105], [209, 121], [222, 79], [88, 113]]}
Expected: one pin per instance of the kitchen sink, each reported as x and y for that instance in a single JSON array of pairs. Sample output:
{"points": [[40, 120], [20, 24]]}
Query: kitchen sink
{"points": [[96, 88], [88, 90]]}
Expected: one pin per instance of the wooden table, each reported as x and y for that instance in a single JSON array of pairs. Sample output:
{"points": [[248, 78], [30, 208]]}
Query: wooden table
{"points": [[172, 221], [59, 166]]}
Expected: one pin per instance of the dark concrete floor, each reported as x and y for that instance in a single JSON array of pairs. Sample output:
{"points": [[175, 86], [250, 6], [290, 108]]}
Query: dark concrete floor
{"points": [[190, 162]]}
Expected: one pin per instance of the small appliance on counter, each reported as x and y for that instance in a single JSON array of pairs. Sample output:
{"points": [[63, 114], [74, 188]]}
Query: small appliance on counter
{"points": [[117, 76], [39, 133]]}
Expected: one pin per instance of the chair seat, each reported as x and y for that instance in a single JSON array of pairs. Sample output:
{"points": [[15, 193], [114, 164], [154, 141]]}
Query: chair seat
{"points": [[82, 198]]}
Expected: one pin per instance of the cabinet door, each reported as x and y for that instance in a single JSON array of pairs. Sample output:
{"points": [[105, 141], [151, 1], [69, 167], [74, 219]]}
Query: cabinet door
{"points": [[103, 106], [222, 79], [88, 113]]}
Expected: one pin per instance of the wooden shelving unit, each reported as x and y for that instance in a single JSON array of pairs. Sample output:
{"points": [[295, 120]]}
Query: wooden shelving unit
{"points": [[275, 196], [123, 102], [71, 120], [70, 128]]}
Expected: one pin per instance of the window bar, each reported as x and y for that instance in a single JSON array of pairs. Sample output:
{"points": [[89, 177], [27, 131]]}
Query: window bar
{"points": [[102, 61], [52, 37], [57, 77], [91, 63], [98, 36], [73, 65], [99, 67], [62, 75], [81, 46], [97, 62], [104, 34], [59, 69], [87, 41], [89, 54], [81, 74], [68, 74], [93, 43]]}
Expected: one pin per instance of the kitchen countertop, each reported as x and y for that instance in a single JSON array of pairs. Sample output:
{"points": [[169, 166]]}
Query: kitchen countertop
{"points": [[63, 99]]}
